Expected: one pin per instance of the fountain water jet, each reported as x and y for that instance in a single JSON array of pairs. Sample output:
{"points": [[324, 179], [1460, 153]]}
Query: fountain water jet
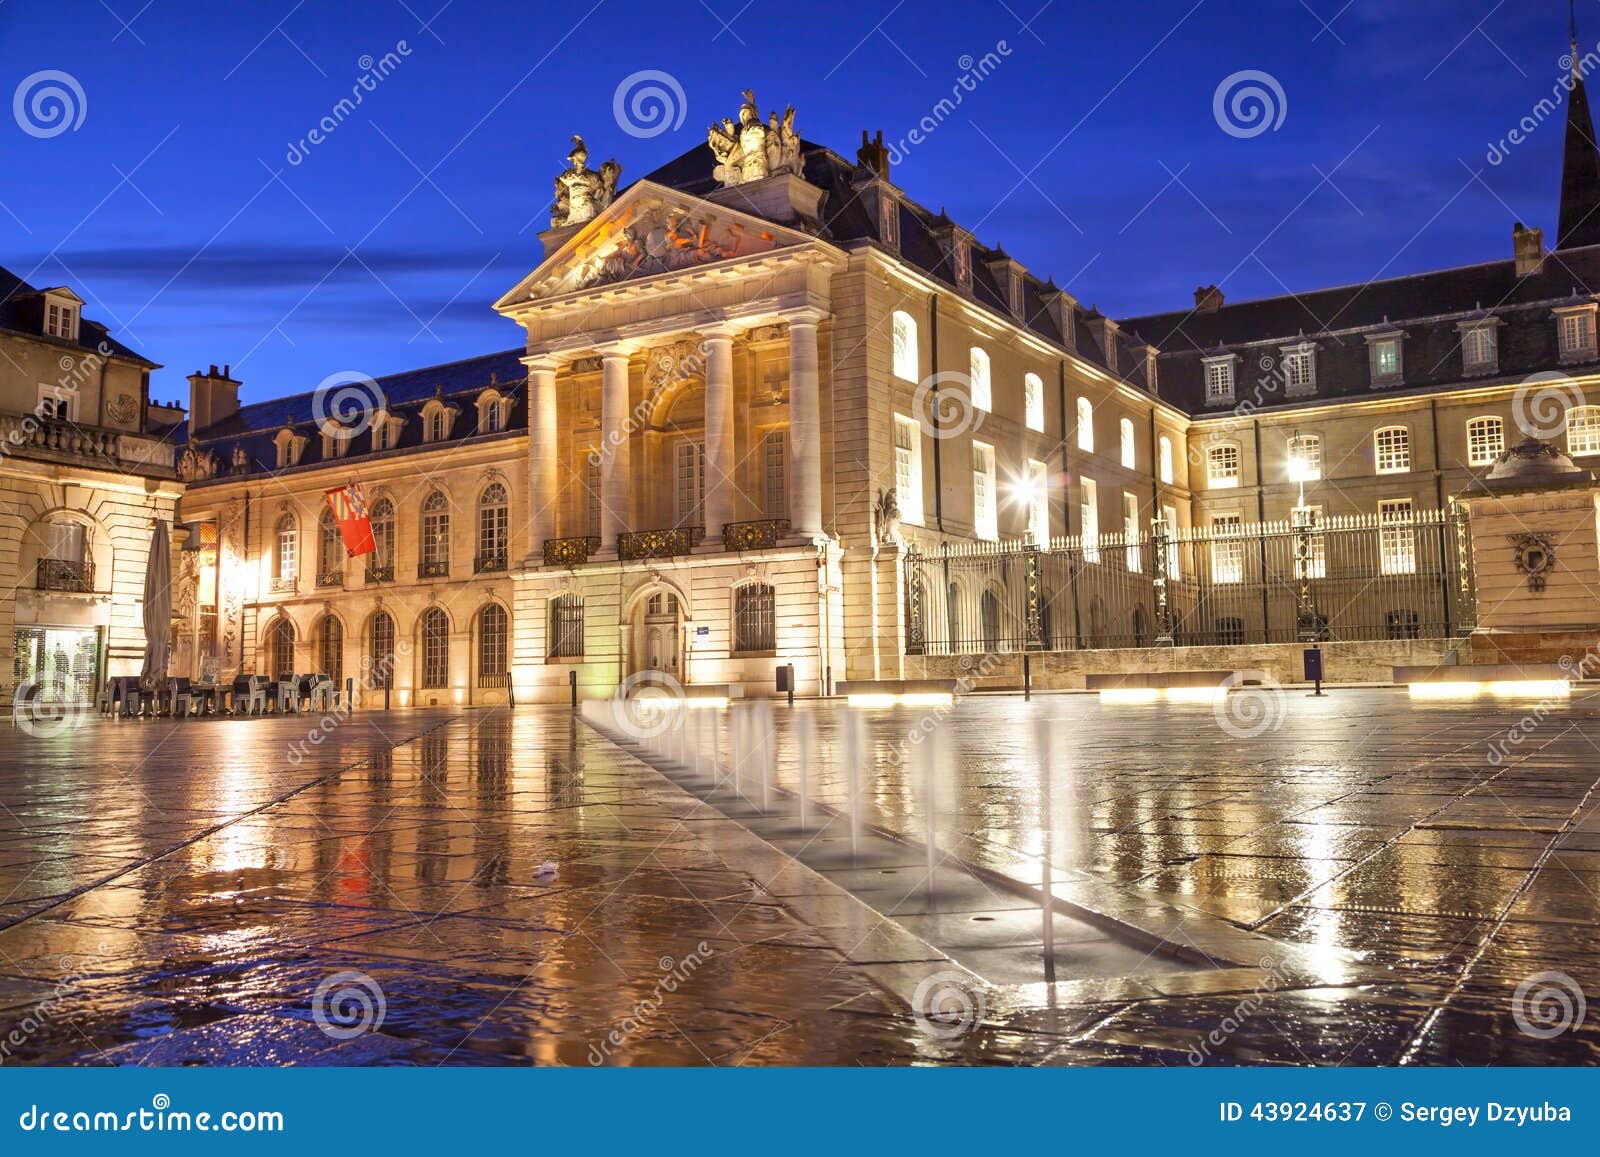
{"points": [[854, 752]]}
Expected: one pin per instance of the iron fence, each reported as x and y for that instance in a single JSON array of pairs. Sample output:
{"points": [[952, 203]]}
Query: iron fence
{"points": [[1310, 579]]}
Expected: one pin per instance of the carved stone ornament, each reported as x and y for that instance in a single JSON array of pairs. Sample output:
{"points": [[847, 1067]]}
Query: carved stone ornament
{"points": [[195, 465], [582, 192], [122, 409], [887, 516], [662, 238], [751, 150], [1535, 557]]}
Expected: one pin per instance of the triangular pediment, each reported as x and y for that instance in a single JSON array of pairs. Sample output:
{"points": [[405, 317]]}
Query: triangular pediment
{"points": [[650, 231]]}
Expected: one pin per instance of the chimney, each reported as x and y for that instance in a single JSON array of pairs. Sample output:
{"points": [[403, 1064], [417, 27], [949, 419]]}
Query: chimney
{"points": [[213, 396], [1010, 278], [1208, 299], [872, 155], [1061, 306], [1528, 247]]}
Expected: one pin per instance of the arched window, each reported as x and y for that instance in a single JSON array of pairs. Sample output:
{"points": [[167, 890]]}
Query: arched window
{"points": [[380, 651], [981, 390], [1125, 437], [1486, 440], [989, 616], [435, 560], [753, 627], [280, 649], [1033, 400], [1583, 430], [775, 474], [952, 618], [67, 561], [493, 646], [494, 520], [284, 559], [380, 563], [330, 648], [436, 424], [1166, 459], [435, 649], [1085, 426], [905, 346], [330, 552], [566, 627]]}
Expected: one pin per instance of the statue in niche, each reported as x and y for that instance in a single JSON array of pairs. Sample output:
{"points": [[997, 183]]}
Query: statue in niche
{"points": [[751, 150], [886, 513], [581, 192]]}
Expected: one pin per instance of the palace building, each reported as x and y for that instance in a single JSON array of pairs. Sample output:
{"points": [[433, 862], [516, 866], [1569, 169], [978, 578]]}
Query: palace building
{"points": [[767, 409]]}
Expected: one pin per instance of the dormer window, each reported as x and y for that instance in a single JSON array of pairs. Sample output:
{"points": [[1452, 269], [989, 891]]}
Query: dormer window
{"points": [[437, 419], [62, 309], [386, 429], [1299, 369], [493, 411], [1383, 357], [1576, 329], [335, 441], [1219, 379], [291, 447], [1480, 347]]}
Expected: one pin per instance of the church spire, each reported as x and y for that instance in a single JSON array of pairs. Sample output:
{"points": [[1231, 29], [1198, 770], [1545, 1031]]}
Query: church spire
{"points": [[1580, 168]]}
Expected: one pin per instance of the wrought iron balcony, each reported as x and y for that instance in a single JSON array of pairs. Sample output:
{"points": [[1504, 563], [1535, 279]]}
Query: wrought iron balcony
{"points": [[280, 586], [439, 568], [643, 544], [487, 563], [569, 551], [501, 679], [332, 578], [756, 535], [380, 574], [65, 574]]}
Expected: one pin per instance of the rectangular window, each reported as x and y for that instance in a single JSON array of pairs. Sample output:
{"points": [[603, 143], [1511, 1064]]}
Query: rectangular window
{"points": [[1038, 495], [1089, 516], [591, 493], [982, 393], [691, 483], [1130, 531], [61, 321], [1583, 430], [1219, 380], [56, 403], [1227, 549], [1397, 540], [1392, 450], [1478, 348], [1577, 334], [908, 469], [1222, 466], [1385, 360], [1300, 370], [985, 522], [775, 474], [1486, 440], [1033, 401], [566, 627]]}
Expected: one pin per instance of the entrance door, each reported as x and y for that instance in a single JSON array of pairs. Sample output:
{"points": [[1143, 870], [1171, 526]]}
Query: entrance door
{"points": [[63, 662], [658, 635]]}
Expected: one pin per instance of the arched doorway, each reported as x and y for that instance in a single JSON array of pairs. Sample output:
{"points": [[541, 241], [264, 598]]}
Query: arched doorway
{"points": [[657, 629]]}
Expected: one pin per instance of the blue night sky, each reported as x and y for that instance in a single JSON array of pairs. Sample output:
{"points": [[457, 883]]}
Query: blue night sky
{"points": [[1091, 152]]}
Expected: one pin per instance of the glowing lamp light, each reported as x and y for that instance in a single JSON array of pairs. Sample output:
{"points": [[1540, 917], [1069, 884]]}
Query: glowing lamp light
{"points": [[697, 701], [1499, 688], [874, 700]]}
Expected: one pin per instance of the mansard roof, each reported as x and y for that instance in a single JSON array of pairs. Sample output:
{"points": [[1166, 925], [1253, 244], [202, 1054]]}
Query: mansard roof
{"points": [[21, 312]]}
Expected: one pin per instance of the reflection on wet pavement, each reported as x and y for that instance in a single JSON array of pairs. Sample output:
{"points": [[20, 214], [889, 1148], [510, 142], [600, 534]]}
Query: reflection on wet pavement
{"points": [[514, 888]]}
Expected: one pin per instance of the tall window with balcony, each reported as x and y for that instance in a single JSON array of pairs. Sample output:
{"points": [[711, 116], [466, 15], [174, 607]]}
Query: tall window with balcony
{"points": [[908, 469], [1222, 466], [591, 494], [754, 622], [435, 539], [982, 390], [1486, 441], [985, 522], [905, 347], [330, 552], [380, 650], [1089, 518], [1391, 449], [380, 563], [65, 564], [285, 556], [280, 648], [1086, 425], [1583, 430], [690, 484], [1033, 401], [330, 648], [435, 647], [493, 646], [775, 474], [494, 523]]}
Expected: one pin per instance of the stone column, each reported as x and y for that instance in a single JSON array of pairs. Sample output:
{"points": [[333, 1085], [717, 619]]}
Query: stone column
{"points": [[805, 429], [720, 464], [543, 454], [616, 459]]}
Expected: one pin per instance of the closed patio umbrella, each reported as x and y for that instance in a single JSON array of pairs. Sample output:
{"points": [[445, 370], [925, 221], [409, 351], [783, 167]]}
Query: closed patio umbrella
{"points": [[157, 602]]}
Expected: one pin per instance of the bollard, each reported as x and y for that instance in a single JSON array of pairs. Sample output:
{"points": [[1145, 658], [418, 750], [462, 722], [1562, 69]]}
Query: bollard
{"points": [[572, 682], [791, 684], [1027, 677]]}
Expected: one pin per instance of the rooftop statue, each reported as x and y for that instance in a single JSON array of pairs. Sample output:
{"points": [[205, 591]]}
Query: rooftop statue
{"points": [[750, 150], [581, 192]]}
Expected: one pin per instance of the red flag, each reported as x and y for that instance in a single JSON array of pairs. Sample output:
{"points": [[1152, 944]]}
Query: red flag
{"points": [[355, 526]]}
